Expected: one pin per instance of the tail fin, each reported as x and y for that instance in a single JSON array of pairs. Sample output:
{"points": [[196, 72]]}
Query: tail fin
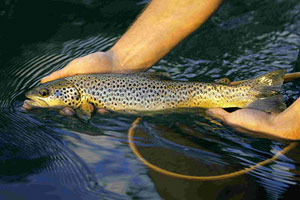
{"points": [[267, 87]]}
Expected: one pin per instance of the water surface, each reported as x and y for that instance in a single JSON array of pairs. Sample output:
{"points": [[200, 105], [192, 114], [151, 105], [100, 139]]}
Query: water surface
{"points": [[44, 155]]}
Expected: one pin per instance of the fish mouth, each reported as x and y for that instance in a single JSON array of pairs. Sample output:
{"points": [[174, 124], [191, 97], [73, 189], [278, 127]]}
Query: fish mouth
{"points": [[34, 102]]}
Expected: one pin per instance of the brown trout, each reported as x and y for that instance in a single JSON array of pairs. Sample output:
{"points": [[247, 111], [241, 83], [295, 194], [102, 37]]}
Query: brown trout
{"points": [[149, 92]]}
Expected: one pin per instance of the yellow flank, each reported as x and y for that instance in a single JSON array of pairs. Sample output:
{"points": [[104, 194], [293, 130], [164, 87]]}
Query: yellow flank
{"points": [[145, 92], [141, 93]]}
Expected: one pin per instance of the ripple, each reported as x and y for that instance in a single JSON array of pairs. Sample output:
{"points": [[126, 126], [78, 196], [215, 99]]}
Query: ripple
{"points": [[93, 161], [89, 45], [28, 143]]}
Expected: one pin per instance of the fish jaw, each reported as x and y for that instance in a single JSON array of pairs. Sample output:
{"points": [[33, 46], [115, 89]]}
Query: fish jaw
{"points": [[34, 101], [55, 94]]}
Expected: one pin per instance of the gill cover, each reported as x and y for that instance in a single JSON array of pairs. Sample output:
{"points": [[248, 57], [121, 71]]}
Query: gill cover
{"points": [[55, 94]]}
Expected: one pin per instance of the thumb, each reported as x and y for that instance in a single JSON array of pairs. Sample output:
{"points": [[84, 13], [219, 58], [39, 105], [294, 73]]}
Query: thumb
{"points": [[55, 75], [218, 113]]}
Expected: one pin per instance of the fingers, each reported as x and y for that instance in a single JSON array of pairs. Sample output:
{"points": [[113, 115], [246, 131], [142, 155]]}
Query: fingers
{"points": [[26, 106], [67, 111], [72, 68], [55, 75], [82, 65], [102, 111], [70, 112], [218, 113], [98, 62]]}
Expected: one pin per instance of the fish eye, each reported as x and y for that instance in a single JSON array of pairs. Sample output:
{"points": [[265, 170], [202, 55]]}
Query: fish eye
{"points": [[44, 92]]}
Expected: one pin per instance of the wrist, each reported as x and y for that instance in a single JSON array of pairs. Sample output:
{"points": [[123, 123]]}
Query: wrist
{"points": [[117, 66], [286, 125], [114, 62], [122, 63]]}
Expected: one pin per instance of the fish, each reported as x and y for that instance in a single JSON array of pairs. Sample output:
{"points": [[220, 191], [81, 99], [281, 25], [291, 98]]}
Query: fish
{"points": [[148, 91]]}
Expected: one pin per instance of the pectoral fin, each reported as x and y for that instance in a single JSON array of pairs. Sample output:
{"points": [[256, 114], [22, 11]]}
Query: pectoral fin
{"points": [[84, 111]]}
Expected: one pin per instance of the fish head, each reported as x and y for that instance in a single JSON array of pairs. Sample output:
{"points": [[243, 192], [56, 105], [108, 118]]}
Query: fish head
{"points": [[55, 94]]}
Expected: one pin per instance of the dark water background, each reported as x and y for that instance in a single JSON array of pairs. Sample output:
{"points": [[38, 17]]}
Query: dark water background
{"points": [[44, 155]]}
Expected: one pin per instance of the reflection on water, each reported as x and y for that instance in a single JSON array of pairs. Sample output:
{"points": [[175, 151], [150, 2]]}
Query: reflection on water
{"points": [[46, 155]]}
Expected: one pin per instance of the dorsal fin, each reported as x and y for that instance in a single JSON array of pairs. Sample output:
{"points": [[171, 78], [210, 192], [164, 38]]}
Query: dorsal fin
{"points": [[224, 81]]}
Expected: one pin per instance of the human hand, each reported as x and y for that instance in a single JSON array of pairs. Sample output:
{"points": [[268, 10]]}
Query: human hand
{"points": [[99, 62], [284, 125]]}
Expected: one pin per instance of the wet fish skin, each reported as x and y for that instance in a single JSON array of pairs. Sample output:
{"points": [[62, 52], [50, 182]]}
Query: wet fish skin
{"points": [[56, 94], [145, 92]]}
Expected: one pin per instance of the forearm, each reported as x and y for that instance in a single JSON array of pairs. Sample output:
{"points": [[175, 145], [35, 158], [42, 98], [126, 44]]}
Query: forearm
{"points": [[287, 123], [162, 25]]}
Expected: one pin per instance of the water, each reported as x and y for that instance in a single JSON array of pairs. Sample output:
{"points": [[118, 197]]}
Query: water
{"points": [[44, 155]]}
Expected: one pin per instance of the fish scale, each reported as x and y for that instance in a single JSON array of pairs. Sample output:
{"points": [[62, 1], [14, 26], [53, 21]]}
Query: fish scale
{"points": [[147, 92], [126, 92]]}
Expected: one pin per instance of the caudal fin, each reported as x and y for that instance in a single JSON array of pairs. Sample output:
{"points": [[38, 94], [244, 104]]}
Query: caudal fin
{"points": [[267, 88]]}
